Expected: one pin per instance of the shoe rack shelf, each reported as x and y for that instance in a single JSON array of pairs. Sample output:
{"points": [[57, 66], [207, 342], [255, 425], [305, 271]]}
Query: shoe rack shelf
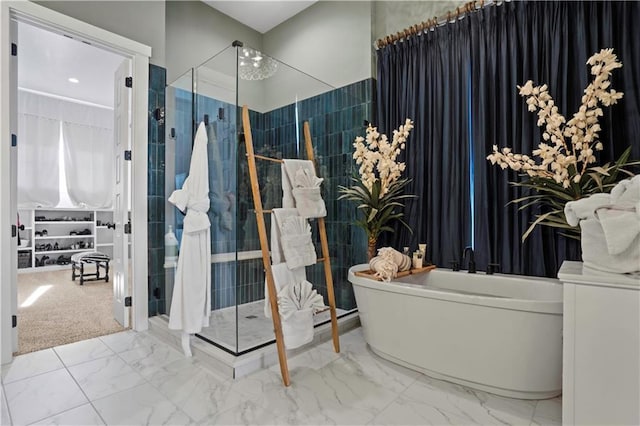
{"points": [[49, 237]]}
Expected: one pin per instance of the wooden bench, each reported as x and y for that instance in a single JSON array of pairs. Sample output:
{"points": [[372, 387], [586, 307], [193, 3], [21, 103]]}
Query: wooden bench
{"points": [[79, 260]]}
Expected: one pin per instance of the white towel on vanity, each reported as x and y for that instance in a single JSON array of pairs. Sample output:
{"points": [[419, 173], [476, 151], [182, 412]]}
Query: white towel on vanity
{"points": [[585, 208], [610, 227], [626, 191], [620, 220], [621, 226], [595, 252]]}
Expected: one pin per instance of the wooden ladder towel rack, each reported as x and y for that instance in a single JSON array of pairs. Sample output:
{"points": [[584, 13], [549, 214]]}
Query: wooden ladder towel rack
{"points": [[264, 245]]}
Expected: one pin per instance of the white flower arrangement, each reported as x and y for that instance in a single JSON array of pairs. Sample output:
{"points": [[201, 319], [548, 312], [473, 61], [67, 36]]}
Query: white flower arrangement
{"points": [[568, 149], [567, 152], [380, 155], [378, 188]]}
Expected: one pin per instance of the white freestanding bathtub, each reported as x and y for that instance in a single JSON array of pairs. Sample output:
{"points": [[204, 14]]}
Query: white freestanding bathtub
{"points": [[497, 333]]}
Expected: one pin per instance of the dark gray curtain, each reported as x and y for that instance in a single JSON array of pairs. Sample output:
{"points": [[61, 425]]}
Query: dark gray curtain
{"points": [[547, 42], [427, 79], [463, 76]]}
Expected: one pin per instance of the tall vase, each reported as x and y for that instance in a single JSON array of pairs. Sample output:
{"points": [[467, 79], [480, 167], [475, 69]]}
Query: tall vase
{"points": [[371, 247]]}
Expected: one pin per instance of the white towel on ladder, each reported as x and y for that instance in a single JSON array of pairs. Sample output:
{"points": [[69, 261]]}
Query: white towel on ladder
{"points": [[297, 302], [301, 188], [282, 276], [278, 216], [296, 242]]}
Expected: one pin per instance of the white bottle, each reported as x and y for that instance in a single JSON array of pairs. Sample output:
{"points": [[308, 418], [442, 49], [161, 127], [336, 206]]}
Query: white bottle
{"points": [[417, 259], [170, 248]]}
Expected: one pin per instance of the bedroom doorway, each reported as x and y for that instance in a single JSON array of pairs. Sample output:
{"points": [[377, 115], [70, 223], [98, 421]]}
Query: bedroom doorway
{"points": [[134, 308], [65, 188]]}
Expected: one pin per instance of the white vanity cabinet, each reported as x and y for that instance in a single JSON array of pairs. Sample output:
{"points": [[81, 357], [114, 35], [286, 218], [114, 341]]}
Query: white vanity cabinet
{"points": [[601, 347]]}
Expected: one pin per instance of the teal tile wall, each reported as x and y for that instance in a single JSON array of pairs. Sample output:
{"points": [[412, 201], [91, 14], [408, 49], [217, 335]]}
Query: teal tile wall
{"points": [[335, 119], [155, 191], [226, 228]]}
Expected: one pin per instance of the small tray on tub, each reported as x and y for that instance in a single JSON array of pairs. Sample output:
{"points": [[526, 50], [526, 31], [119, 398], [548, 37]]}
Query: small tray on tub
{"points": [[371, 274]]}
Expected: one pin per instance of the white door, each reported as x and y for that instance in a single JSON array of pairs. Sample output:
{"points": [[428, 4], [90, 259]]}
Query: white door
{"points": [[13, 77], [122, 136]]}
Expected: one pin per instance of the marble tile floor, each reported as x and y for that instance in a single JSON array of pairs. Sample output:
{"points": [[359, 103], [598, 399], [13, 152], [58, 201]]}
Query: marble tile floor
{"points": [[131, 378], [254, 329]]}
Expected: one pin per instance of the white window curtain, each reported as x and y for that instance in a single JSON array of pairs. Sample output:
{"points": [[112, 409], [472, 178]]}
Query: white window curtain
{"points": [[38, 168], [89, 165], [88, 152]]}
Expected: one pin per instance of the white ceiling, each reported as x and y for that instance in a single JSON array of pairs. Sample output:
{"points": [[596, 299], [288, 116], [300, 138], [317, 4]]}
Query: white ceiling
{"points": [[260, 15], [47, 60]]}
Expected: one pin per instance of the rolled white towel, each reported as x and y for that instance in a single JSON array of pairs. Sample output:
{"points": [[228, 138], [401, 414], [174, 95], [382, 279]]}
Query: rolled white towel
{"points": [[384, 269], [402, 260]]}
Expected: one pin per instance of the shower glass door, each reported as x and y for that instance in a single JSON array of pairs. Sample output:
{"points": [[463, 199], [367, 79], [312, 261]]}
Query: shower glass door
{"points": [[280, 99], [215, 106]]}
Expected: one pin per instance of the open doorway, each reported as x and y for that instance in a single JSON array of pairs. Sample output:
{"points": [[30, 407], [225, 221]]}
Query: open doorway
{"points": [[131, 301], [66, 188]]}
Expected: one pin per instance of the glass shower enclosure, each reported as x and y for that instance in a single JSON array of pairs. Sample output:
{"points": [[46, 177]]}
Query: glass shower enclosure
{"points": [[280, 98]]}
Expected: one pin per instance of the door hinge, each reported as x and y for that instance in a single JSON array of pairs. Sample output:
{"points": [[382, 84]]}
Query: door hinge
{"points": [[14, 49], [127, 301], [156, 292], [14, 231], [127, 228], [128, 81], [14, 321], [14, 140], [127, 155]]}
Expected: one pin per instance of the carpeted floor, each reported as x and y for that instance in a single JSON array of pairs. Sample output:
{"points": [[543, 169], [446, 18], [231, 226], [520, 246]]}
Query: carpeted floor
{"points": [[65, 313]]}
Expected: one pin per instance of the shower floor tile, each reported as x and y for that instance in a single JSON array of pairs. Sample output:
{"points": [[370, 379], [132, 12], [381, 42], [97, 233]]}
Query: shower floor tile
{"points": [[254, 328]]}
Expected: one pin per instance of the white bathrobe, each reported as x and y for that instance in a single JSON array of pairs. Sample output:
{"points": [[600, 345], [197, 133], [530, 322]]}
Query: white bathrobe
{"points": [[191, 301]]}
